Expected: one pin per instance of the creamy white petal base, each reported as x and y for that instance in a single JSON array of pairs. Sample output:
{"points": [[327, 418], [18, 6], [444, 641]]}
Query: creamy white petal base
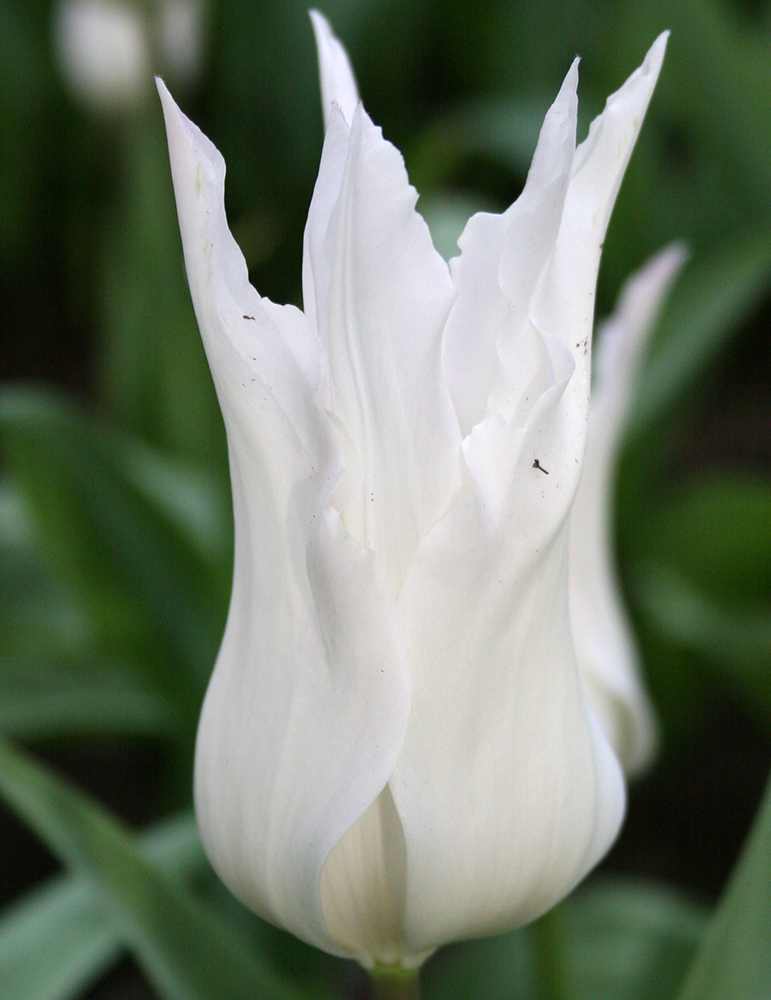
{"points": [[396, 749]]}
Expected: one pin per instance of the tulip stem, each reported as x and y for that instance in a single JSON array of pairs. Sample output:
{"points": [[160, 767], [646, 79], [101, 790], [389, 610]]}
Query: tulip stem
{"points": [[548, 955], [392, 982]]}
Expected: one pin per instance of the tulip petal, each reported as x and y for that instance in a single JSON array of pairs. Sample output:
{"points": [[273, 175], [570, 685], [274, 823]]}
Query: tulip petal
{"points": [[363, 886], [317, 255], [338, 83], [538, 210], [389, 293], [248, 339], [602, 635], [506, 787], [308, 704], [564, 306], [469, 348], [501, 260]]}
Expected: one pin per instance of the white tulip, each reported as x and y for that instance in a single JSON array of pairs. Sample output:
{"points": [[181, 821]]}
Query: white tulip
{"points": [[395, 750], [602, 636], [104, 51], [106, 48]]}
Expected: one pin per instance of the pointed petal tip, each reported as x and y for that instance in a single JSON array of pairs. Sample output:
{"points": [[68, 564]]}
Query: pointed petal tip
{"points": [[566, 100], [338, 82], [628, 331], [655, 56], [565, 104], [643, 81], [321, 26], [171, 110], [659, 47], [568, 93], [186, 140], [163, 93], [652, 282], [570, 83], [320, 23], [671, 259]]}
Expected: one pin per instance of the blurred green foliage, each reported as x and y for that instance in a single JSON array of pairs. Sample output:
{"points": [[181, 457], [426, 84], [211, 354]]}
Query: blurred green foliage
{"points": [[115, 533]]}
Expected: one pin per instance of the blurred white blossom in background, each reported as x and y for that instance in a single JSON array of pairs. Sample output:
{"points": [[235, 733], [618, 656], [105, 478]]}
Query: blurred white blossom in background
{"points": [[108, 50]]}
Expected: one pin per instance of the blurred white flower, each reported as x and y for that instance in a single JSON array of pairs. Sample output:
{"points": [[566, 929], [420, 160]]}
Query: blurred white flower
{"points": [[103, 49], [602, 636], [395, 750], [109, 49]]}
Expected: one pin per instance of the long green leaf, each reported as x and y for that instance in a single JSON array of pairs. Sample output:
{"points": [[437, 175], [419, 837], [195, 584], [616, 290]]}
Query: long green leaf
{"points": [[725, 71], [55, 943], [40, 619], [105, 535], [58, 940], [734, 962], [59, 673], [627, 939], [55, 699], [187, 952], [616, 939], [733, 511], [698, 569], [736, 642]]}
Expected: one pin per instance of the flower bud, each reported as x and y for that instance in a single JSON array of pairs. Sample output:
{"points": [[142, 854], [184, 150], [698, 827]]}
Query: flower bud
{"points": [[396, 749]]}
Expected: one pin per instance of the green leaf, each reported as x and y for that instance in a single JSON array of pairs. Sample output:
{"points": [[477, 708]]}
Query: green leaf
{"points": [[55, 943], [612, 940], [497, 968], [714, 296], [736, 641], [734, 961], [626, 939], [52, 699], [193, 501], [186, 950], [725, 71], [58, 675], [39, 619], [58, 940], [118, 549], [710, 600], [733, 510]]}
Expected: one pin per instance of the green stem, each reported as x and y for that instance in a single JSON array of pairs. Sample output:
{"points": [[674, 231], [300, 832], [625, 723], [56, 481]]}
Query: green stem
{"points": [[548, 956], [392, 982]]}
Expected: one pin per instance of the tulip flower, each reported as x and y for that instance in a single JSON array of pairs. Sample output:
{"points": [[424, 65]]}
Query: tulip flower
{"points": [[395, 749], [103, 51], [602, 636], [106, 47]]}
